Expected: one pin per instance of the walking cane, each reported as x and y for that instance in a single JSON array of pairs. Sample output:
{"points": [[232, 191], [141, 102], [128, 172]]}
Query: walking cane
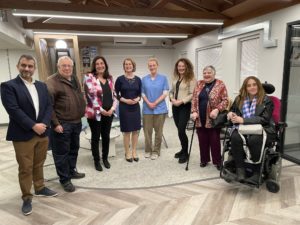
{"points": [[188, 160]]}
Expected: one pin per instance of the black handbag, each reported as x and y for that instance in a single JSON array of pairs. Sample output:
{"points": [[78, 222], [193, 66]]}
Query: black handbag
{"points": [[220, 121]]}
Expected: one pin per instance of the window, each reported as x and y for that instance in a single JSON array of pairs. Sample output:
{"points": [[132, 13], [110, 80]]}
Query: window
{"points": [[209, 56], [249, 58]]}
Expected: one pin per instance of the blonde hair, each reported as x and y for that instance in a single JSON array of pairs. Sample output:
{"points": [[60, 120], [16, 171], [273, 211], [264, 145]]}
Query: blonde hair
{"points": [[132, 62], [153, 59]]}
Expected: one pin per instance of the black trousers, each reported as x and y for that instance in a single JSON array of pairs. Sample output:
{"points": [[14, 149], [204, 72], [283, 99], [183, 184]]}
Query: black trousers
{"points": [[254, 143], [102, 128], [181, 115], [65, 147]]}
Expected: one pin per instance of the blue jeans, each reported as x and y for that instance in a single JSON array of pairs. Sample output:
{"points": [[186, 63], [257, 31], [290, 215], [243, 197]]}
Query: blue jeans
{"points": [[65, 148]]}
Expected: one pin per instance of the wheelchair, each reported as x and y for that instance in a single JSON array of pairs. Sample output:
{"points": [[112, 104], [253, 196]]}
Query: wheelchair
{"points": [[266, 170]]}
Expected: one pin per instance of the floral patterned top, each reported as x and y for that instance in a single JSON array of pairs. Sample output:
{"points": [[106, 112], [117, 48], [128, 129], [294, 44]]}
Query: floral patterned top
{"points": [[94, 96], [218, 99]]}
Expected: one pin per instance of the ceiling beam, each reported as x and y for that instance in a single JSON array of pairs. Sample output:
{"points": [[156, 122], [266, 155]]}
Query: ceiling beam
{"points": [[67, 7], [271, 7], [133, 3], [228, 5], [158, 4], [206, 6], [118, 3], [98, 2], [95, 28]]}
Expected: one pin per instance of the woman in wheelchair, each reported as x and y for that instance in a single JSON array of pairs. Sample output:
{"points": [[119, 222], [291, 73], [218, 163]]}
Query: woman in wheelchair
{"points": [[251, 106]]}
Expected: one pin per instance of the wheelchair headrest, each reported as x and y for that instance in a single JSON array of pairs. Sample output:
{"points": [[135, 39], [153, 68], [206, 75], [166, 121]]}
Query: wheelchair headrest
{"points": [[269, 88]]}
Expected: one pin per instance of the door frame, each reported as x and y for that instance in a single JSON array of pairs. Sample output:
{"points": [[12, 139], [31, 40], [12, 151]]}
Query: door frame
{"points": [[285, 87]]}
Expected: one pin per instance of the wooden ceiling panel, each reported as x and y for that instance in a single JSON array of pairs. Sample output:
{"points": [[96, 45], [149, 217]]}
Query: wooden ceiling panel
{"points": [[231, 11]]}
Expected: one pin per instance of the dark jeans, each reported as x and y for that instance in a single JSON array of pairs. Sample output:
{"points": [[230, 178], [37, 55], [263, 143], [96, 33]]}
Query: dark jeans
{"points": [[181, 115], [209, 139], [254, 143], [65, 148], [102, 128]]}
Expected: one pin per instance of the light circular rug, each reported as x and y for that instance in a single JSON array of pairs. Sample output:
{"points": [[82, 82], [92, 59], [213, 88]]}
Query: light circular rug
{"points": [[146, 173]]}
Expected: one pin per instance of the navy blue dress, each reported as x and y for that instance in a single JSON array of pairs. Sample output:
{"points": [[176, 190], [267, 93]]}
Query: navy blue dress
{"points": [[130, 115]]}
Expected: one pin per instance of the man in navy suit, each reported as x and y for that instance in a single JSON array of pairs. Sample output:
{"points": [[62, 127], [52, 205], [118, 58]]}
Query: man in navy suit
{"points": [[28, 105]]}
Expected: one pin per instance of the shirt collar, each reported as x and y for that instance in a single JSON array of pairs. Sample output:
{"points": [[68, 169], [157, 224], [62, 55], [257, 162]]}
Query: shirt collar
{"points": [[25, 81]]}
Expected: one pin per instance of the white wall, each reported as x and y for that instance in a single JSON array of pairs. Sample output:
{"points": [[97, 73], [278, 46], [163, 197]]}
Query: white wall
{"points": [[8, 70], [271, 60], [13, 35], [164, 57]]}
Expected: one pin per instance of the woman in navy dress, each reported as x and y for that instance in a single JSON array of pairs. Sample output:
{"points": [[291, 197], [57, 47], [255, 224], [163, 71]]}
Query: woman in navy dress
{"points": [[128, 88]]}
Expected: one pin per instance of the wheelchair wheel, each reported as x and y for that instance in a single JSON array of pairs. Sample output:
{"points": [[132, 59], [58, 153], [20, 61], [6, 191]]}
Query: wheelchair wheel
{"points": [[272, 186]]}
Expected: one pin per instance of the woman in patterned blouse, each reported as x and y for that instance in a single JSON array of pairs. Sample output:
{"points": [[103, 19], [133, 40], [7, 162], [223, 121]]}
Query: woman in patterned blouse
{"points": [[209, 98], [101, 104]]}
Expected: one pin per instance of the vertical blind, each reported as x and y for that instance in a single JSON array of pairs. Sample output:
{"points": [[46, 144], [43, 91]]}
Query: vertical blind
{"points": [[249, 58], [209, 56]]}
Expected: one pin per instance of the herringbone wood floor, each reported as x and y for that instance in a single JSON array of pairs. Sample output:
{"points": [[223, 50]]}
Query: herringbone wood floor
{"points": [[205, 202]]}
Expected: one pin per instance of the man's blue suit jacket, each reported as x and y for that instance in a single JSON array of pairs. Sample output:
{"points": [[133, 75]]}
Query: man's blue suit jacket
{"points": [[18, 103]]}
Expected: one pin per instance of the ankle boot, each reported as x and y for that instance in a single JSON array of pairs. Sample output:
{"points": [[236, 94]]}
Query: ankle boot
{"points": [[106, 163], [240, 174], [98, 166]]}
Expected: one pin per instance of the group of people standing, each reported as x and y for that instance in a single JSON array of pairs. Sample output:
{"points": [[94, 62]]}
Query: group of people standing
{"points": [[36, 109]]}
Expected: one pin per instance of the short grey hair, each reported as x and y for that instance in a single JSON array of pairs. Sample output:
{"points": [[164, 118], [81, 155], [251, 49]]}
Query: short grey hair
{"points": [[210, 67], [64, 58]]}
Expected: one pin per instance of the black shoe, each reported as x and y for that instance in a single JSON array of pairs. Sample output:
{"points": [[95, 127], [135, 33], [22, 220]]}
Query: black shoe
{"points": [[106, 163], [203, 164], [136, 159], [182, 160], [240, 174], [178, 154], [129, 160], [98, 166], [218, 166], [68, 186], [27, 207], [46, 192], [76, 175]]}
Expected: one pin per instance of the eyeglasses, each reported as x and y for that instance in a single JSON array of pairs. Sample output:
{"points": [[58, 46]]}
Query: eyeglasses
{"points": [[66, 66]]}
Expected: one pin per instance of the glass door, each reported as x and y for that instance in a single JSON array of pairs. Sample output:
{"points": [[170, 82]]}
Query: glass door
{"points": [[291, 94]]}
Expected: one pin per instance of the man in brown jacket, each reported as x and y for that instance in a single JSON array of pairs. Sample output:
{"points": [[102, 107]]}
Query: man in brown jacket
{"points": [[68, 108]]}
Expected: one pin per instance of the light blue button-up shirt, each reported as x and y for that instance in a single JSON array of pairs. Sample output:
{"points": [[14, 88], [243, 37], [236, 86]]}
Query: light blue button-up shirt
{"points": [[153, 89]]}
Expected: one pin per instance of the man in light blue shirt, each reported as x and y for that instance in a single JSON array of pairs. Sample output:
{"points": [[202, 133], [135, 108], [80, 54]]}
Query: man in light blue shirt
{"points": [[154, 91]]}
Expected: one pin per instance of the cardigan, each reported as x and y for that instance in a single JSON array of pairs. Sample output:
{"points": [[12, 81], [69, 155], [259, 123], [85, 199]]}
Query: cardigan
{"points": [[218, 99]]}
